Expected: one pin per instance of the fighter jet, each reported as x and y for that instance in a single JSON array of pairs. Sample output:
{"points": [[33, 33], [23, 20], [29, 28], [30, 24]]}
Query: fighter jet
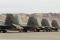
{"points": [[8, 22]]}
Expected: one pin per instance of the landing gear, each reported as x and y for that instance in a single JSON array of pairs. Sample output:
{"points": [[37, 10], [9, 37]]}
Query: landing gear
{"points": [[37, 30], [56, 30], [25, 30], [4, 31]]}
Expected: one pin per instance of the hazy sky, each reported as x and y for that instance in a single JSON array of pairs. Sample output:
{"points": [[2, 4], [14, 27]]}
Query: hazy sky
{"points": [[29, 6]]}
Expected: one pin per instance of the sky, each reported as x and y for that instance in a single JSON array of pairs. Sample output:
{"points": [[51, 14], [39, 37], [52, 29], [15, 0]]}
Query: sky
{"points": [[29, 6]]}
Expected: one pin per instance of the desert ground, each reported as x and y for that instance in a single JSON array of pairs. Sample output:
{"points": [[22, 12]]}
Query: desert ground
{"points": [[30, 36]]}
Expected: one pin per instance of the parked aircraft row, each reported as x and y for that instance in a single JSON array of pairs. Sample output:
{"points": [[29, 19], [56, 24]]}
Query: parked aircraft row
{"points": [[12, 22]]}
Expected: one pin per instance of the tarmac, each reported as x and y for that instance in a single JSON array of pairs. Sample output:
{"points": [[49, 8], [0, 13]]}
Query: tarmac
{"points": [[30, 36]]}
